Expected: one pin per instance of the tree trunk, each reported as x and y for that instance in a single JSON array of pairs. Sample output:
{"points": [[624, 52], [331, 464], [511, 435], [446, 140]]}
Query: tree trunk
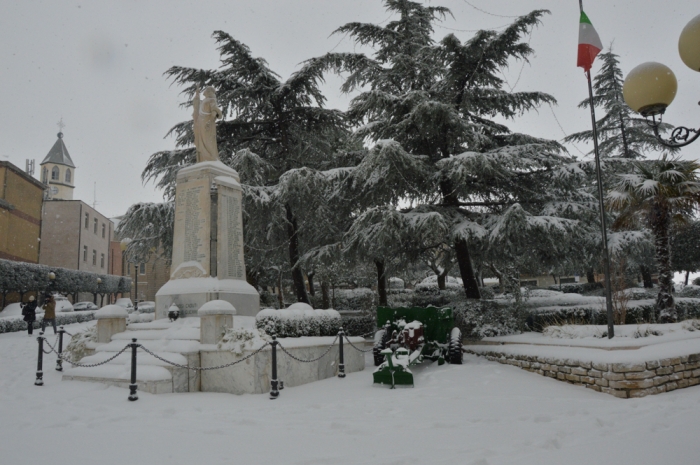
{"points": [[441, 278], [687, 275], [471, 287], [381, 282], [646, 276], [590, 275], [310, 277], [661, 222], [325, 297], [280, 294], [297, 275]]}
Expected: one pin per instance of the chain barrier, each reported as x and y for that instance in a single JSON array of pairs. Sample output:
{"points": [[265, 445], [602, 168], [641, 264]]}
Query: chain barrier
{"points": [[76, 364], [312, 360], [204, 368], [53, 347], [357, 348]]}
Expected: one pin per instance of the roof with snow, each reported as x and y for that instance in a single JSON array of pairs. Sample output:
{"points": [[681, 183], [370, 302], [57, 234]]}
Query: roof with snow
{"points": [[59, 153]]}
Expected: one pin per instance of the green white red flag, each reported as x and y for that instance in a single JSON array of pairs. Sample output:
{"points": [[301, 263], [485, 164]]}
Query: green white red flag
{"points": [[589, 44]]}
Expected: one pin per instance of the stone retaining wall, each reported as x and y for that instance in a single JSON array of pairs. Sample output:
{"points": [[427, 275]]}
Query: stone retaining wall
{"points": [[624, 380]]}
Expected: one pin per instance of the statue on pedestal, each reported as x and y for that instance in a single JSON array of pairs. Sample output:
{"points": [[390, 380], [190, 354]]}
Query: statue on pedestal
{"points": [[205, 115]]}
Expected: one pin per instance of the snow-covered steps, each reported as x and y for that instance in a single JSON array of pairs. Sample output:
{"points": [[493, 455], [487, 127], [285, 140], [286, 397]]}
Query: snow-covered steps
{"points": [[176, 342]]}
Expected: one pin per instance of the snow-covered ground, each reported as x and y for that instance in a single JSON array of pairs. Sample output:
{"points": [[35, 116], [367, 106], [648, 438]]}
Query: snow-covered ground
{"points": [[480, 413]]}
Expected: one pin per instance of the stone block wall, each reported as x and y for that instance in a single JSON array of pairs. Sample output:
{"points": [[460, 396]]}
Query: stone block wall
{"points": [[623, 380]]}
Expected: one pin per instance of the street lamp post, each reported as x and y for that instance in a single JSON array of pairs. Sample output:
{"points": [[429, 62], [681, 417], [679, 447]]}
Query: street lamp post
{"points": [[651, 87], [99, 282]]}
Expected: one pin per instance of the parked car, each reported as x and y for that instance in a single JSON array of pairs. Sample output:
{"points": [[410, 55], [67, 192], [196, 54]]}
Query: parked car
{"points": [[147, 306], [82, 306], [62, 304], [126, 303]]}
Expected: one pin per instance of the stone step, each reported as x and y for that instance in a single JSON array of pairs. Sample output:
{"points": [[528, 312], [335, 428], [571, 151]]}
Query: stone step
{"points": [[149, 370]]}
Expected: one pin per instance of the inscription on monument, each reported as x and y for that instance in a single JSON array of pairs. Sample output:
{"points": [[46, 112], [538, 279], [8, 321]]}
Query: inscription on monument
{"points": [[231, 258], [193, 225]]}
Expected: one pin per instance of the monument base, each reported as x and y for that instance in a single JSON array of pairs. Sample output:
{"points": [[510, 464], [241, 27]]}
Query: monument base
{"points": [[189, 294]]}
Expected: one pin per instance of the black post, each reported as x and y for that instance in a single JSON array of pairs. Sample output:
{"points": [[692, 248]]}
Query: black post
{"points": [[606, 253], [59, 361], [40, 361], [341, 365], [274, 393], [133, 387]]}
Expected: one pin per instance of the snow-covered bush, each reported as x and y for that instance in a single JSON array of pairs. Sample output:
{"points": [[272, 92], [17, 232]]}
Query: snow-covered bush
{"points": [[430, 285], [238, 339], [10, 325], [576, 288], [78, 346], [483, 318], [396, 283], [691, 290], [25, 277], [359, 323], [298, 323]]}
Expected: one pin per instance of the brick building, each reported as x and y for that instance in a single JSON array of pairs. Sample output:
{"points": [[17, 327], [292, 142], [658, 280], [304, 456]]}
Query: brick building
{"points": [[21, 199]]}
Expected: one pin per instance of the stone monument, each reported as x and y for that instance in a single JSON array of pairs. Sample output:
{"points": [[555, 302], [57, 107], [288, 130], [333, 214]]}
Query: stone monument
{"points": [[207, 262]]}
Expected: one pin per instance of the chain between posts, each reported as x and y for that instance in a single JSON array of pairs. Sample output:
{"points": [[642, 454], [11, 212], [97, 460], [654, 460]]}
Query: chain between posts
{"points": [[357, 348], [187, 367], [312, 360]]}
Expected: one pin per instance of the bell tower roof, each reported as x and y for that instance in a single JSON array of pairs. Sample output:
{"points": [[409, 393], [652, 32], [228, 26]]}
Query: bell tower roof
{"points": [[59, 153]]}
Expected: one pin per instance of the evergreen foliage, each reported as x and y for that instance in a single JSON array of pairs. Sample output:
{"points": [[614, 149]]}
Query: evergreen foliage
{"points": [[429, 108], [620, 133]]}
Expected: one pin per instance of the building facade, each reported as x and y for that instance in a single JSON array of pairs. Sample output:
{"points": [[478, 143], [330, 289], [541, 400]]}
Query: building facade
{"points": [[21, 199], [74, 235]]}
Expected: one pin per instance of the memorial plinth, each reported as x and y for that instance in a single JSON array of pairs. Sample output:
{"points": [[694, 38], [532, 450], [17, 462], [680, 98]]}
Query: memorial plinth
{"points": [[207, 262]]}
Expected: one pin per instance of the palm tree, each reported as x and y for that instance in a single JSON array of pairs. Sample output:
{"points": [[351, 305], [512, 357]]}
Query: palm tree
{"points": [[660, 193]]}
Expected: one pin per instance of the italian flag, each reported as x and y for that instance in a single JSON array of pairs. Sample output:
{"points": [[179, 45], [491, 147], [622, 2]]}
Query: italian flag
{"points": [[589, 44]]}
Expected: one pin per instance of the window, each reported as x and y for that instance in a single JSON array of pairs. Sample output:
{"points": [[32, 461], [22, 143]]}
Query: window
{"points": [[87, 220], [54, 173], [68, 175], [44, 175], [104, 228], [94, 257], [142, 268], [94, 229], [102, 261], [85, 253]]}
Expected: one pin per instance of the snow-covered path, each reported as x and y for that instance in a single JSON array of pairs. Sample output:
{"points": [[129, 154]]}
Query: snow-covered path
{"points": [[479, 413]]}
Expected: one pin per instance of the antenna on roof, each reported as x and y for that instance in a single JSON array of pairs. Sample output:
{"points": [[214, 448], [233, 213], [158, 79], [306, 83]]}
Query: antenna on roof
{"points": [[94, 196]]}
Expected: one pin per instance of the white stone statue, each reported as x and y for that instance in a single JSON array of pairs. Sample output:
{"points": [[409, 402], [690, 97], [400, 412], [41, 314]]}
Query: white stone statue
{"points": [[205, 115]]}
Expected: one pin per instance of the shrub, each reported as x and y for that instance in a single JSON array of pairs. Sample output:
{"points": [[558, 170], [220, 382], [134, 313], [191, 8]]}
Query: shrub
{"points": [[576, 288], [485, 318], [298, 323], [359, 323], [10, 325]]}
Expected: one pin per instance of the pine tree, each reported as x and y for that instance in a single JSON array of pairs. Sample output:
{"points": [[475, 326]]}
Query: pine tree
{"points": [[279, 136], [620, 133], [429, 108]]}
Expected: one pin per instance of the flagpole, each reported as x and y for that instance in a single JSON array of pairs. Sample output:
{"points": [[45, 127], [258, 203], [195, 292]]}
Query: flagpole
{"points": [[603, 227]]}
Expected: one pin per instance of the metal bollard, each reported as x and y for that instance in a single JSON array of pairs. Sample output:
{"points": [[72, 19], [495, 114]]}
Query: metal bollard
{"points": [[59, 360], [274, 393], [341, 365], [40, 361], [133, 387]]}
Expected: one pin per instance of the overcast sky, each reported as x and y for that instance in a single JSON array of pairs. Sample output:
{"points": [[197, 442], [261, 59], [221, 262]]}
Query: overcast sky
{"points": [[99, 65]]}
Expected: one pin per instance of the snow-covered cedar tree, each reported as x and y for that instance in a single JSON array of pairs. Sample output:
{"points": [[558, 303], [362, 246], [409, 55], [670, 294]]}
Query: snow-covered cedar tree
{"points": [[620, 133], [659, 193], [149, 228], [280, 137], [430, 108]]}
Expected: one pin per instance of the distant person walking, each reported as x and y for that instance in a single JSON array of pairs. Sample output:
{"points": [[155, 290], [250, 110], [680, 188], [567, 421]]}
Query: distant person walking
{"points": [[49, 313], [29, 313]]}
